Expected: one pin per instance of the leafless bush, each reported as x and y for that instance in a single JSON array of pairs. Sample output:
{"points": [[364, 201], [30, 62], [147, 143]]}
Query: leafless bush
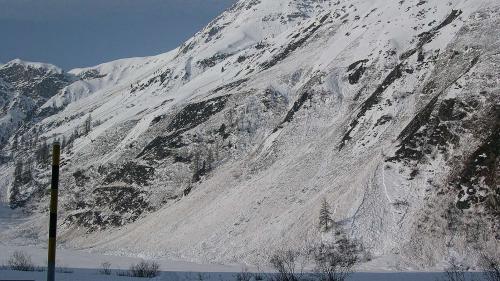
{"points": [[335, 261], [258, 276], [244, 275], [64, 270], [455, 272], [286, 263], [148, 269], [105, 268], [20, 261], [491, 267]]}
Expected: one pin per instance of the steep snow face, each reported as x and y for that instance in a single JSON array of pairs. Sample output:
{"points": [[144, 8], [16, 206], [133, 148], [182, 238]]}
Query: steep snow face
{"points": [[222, 149]]}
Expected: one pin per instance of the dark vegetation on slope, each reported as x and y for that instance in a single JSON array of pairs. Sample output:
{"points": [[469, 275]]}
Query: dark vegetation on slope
{"points": [[188, 118], [481, 170], [425, 130], [433, 132], [131, 173], [116, 206]]}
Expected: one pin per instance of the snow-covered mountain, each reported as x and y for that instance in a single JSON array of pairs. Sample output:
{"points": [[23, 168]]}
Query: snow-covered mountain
{"points": [[222, 149], [24, 87]]}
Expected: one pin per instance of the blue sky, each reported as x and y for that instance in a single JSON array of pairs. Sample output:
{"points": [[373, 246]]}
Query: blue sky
{"points": [[77, 33]]}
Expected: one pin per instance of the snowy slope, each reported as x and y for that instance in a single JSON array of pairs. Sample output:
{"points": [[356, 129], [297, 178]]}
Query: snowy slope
{"points": [[222, 149]]}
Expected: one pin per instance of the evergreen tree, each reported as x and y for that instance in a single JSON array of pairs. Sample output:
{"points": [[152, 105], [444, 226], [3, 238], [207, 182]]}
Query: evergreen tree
{"points": [[14, 190], [210, 159], [42, 154], [35, 139], [88, 125], [63, 143], [325, 218], [15, 143], [18, 171]]}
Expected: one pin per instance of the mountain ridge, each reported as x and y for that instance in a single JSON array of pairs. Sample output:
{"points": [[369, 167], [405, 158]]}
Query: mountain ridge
{"points": [[223, 148]]}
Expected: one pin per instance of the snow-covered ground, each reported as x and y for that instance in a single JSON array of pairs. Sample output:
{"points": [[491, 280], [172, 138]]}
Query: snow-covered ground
{"points": [[92, 274], [83, 259], [74, 265]]}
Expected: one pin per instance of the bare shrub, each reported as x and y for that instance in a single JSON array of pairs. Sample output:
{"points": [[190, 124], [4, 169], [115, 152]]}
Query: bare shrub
{"points": [[491, 267], [123, 273], [148, 269], [105, 268], [20, 261], [335, 261], [286, 263], [244, 275], [258, 276], [64, 270], [455, 272]]}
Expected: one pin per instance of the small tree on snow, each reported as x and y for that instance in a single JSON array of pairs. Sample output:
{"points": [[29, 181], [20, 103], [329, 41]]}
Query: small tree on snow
{"points": [[88, 125], [325, 216]]}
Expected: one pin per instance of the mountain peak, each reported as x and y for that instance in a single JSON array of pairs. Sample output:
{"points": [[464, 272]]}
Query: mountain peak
{"points": [[37, 65]]}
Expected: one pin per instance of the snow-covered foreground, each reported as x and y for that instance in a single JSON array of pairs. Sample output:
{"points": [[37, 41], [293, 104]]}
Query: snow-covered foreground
{"points": [[85, 260], [92, 274], [79, 265]]}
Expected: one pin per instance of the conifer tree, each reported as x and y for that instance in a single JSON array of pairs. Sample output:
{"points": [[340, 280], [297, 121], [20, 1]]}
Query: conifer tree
{"points": [[14, 190], [210, 159], [43, 152], [88, 125], [15, 143], [325, 218], [63, 143]]}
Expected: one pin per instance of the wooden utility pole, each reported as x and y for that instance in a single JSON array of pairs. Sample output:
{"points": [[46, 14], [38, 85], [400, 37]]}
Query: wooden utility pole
{"points": [[54, 190]]}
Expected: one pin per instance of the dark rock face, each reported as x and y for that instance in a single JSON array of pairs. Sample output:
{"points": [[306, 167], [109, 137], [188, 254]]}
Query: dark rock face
{"points": [[307, 95], [427, 36], [273, 100], [479, 179], [109, 206], [91, 74], [213, 60], [196, 113], [307, 33], [131, 173], [25, 88], [80, 178], [34, 82], [188, 118], [372, 100], [356, 71], [231, 85], [162, 79]]}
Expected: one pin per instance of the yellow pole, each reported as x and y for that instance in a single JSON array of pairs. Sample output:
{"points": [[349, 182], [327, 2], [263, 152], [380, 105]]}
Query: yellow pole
{"points": [[54, 190]]}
